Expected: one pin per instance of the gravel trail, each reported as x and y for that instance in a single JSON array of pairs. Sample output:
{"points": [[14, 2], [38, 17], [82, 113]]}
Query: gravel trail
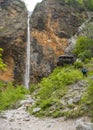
{"points": [[19, 119]]}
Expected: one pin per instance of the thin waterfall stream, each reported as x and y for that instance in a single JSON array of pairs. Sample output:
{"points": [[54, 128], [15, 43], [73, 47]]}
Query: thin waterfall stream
{"points": [[30, 5], [27, 69]]}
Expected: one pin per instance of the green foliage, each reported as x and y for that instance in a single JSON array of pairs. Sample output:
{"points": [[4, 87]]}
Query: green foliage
{"points": [[9, 95], [58, 80], [57, 113], [89, 4], [53, 88], [83, 3], [71, 1], [84, 48], [51, 93], [87, 100], [74, 113], [75, 2], [78, 64], [32, 88], [86, 61], [2, 65], [46, 103]]}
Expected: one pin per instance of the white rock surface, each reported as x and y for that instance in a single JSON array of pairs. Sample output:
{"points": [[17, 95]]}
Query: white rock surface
{"points": [[19, 119]]}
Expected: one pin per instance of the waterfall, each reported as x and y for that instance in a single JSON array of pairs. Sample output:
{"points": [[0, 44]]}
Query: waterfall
{"points": [[30, 5], [27, 69]]}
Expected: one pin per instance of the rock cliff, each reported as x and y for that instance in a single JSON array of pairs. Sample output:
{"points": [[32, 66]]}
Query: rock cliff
{"points": [[52, 23], [13, 37]]}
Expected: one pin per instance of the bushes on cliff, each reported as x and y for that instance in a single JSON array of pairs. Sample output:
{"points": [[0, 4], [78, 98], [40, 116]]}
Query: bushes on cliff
{"points": [[89, 4], [84, 3], [84, 48], [75, 2], [2, 65]]}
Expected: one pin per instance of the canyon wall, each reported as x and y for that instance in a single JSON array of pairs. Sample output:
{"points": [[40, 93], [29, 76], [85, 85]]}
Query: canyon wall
{"points": [[52, 23], [13, 17]]}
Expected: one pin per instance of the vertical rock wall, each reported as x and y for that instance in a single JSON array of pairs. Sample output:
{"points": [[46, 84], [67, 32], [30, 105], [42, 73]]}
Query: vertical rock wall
{"points": [[13, 38], [52, 24]]}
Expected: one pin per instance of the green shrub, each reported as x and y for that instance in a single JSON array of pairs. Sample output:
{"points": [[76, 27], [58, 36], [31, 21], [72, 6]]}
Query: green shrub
{"points": [[86, 61], [83, 48], [10, 95], [90, 98], [46, 103], [32, 88], [78, 64], [89, 4], [53, 88], [87, 100], [57, 113], [2, 65], [58, 81], [81, 3]]}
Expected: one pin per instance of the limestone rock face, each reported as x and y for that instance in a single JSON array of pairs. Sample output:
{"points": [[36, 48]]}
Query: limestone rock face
{"points": [[52, 23], [13, 37]]}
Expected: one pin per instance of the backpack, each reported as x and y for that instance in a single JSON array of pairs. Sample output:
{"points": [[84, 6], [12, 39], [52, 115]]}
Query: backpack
{"points": [[84, 70]]}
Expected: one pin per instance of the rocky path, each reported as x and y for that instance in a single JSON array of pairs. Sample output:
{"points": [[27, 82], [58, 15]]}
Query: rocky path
{"points": [[19, 119]]}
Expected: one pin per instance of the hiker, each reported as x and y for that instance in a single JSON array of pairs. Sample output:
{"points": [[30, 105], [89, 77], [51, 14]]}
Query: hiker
{"points": [[84, 72]]}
